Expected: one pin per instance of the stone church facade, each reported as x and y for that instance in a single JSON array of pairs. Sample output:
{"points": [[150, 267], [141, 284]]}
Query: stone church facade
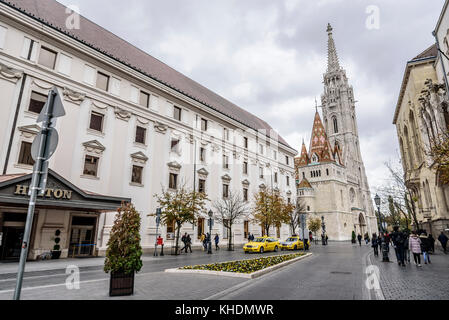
{"points": [[331, 176]]}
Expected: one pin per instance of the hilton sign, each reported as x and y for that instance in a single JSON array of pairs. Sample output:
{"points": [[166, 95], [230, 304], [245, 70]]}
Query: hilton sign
{"points": [[49, 193]]}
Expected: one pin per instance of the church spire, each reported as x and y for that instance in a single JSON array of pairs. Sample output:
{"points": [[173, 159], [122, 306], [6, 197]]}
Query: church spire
{"points": [[332, 57]]}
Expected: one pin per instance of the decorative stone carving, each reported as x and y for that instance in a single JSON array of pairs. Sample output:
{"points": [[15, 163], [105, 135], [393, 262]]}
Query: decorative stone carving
{"points": [[122, 114], [245, 183], [94, 146], [203, 173], [73, 96], [42, 84], [99, 105], [143, 120], [160, 127], [226, 178], [215, 147], [9, 73], [29, 131], [174, 166], [139, 157], [262, 186]]}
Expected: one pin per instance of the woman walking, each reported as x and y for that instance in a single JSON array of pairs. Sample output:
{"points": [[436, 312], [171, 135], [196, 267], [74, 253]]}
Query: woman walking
{"points": [[415, 248], [425, 247], [375, 245]]}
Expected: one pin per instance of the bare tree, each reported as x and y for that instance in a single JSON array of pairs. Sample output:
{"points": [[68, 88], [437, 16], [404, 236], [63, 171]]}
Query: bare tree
{"points": [[397, 192], [229, 210], [295, 215]]}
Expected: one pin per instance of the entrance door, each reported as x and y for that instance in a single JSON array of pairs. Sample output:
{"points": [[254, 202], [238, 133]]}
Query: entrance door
{"points": [[82, 237], [12, 242]]}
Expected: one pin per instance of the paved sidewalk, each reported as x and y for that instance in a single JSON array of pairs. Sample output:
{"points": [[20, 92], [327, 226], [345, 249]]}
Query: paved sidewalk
{"points": [[430, 282]]}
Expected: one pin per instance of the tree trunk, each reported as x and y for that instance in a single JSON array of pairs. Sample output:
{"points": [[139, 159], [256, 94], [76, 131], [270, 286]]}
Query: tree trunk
{"points": [[230, 238], [177, 238]]}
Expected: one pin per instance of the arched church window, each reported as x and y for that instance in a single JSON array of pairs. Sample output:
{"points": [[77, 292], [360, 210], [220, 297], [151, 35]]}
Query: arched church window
{"points": [[335, 121], [327, 171], [315, 158]]}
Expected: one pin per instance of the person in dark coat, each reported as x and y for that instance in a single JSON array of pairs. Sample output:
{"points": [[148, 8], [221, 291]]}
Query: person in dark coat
{"points": [[184, 239], [359, 237], [217, 240], [425, 247], [375, 245], [398, 239], [432, 243], [443, 240], [188, 243]]}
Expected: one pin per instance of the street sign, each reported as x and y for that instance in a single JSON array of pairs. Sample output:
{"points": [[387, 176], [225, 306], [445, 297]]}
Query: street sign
{"points": [[50, 145], [57, 108]]}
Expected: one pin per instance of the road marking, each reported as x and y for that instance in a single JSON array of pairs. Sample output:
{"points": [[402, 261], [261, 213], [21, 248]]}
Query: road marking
{"points": [[53, 285], [48, 275]]}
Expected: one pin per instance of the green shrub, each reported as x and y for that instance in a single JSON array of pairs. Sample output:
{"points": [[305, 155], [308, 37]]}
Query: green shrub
{"points": [[124, 251]]}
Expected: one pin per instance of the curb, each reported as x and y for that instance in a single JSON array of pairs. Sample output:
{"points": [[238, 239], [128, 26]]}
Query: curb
{"points": [[253, 275]]}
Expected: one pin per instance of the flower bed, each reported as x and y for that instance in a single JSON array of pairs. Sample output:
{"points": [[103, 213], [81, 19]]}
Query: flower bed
{"points": [[246, 266]]}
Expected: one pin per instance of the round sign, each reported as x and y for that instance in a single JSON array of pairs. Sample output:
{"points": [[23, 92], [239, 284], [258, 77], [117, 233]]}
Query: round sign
{"points": [[50, 148]]}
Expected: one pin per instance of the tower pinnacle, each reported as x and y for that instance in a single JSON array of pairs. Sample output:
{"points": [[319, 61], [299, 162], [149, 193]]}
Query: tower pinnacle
{"points": [[332, 57]]}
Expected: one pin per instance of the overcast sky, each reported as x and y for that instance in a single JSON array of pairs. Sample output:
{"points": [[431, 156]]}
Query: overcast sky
{"points": [[269, 56]]}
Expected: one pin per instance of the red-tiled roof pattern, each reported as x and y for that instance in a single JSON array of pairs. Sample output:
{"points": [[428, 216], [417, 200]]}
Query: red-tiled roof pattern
{"points": [[53, 14], [305, 184], [319, 143], [303, 160]]}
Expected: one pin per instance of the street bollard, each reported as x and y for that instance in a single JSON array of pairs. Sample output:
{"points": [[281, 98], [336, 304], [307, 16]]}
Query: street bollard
{"points": [[162, 250]]}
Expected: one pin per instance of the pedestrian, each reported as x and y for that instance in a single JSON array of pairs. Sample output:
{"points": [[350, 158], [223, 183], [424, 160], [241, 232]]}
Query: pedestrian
{"points": [[252, 237], [375, 245], [379, 241], [432, 243], [217, 240], [327, 239], [398, 239], [406, 247], [425, 247], [188, 243], [387, 240], [184, 241], [310, 236], [415, 248], [443, 240], [359, 237], [203, 241]]}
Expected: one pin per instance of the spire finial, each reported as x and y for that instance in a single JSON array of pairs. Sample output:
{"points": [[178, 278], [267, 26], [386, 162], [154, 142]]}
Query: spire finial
{"points": [[332, 57]]}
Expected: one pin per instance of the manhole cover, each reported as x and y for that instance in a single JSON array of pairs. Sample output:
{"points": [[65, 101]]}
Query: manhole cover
{"points": [[340, 272]]}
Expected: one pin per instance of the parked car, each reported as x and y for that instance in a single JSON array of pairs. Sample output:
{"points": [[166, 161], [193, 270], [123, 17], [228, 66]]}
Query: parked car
{"points": [[262, 244], [292, 243]]}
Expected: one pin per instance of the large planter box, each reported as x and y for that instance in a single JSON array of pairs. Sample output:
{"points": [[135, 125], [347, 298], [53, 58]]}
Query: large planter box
{"points": [[121, 284]]}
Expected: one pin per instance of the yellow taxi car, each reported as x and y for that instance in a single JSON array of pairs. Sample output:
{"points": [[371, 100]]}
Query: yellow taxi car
{"points": [[262, 244], [292, 243]]}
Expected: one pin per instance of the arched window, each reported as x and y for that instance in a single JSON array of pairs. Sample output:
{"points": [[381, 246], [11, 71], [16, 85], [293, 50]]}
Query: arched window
{"points": [[414, 136], [409, 149], [335, 122]]}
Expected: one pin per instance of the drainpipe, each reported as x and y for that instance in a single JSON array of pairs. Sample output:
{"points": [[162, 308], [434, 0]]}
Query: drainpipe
{"points": [[13, 129]]}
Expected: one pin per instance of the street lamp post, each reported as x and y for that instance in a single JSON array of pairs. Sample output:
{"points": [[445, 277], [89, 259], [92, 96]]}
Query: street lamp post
{"points": [[158, 221], [323, 227], [385, 257], [209, 248], [377, 201]]}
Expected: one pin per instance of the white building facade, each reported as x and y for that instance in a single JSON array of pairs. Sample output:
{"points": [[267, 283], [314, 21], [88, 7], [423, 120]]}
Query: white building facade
{"points": [[133, 126]]}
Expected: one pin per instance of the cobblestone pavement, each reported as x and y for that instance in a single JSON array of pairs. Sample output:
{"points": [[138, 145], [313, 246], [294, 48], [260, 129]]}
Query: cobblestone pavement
{"points": [[430, 282]]}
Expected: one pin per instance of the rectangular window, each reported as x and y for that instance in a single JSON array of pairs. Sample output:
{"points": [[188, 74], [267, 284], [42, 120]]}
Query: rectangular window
{"points": [[140, 135], [288, 181], [245, 167], [275, 177], [96, 121], [261, 172], [173, 183], [203, 125], [137, 175], [225, 162], [245, 195], [202, 186], [144, 99], [200, 230], [177, 113], [202, 155], [174, 145], [225, 191], [275, 155], [90, 166], [29, 50], [25, 154], [246, 229], [102, 81], [287, 160], [245, 142], [47, 58], [261, 149], [37, 102]]}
